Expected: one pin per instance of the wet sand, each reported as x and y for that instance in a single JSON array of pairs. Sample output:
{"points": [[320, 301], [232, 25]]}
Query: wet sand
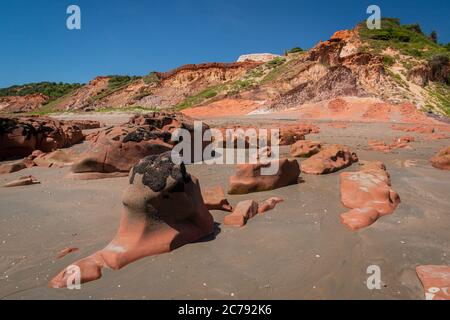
{"points": [[299, 250]]}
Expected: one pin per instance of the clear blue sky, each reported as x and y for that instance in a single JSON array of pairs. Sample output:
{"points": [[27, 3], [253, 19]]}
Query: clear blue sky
{"points": [[138, 36]]}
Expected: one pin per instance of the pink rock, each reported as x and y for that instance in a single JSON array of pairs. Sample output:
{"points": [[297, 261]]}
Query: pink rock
{"points": [[244, 211], [331, 159], [305, 149], [368, 192], [269, 204], [442, 159], [436, 281]]}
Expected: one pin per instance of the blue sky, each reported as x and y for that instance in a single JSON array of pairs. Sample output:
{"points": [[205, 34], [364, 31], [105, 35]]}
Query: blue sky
{"points": [[138, 36]]}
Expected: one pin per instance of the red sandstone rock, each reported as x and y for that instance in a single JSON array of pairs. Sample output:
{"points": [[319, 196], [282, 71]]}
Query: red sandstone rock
{"points": [[436, 281], [19, 137], [437, 136], [243, 212], [305, 149], [215, 199], [288, 134], [442, 159], [12, 167], [248, 177], [417, 129], [57, 158], [331, 159], [368, 192], [163, 209], [86, 124], [23, 181], [399, 143], [114, 151], [269, 204]]}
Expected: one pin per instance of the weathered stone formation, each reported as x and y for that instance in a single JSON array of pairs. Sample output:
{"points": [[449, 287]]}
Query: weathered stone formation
{"points": [[369, 194], [115, 150], [248, 177], [331, 159], [19, 137], [163, 209], [442, 159]]}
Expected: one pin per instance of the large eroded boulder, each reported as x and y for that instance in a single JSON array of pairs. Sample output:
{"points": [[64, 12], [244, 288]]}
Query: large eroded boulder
{"points": [[163, 209], [369, 194], [248, 177], [331, 159]]}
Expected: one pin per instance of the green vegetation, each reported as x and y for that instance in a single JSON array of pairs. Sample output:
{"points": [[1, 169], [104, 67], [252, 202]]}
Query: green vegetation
{"points": [[295, 50], [276, 62], [408, 39], [441, 94], [115, 83], [51, 89], [388, 61], [151, 78], [276, 71], [201, 97], [397, 78], [126, 109]]}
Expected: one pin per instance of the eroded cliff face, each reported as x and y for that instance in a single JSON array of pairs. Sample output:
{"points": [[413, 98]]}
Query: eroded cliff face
{"points": [[332, 69], [343, 66], [84, 97], [27, 103], [175, 86], [163, 90]]}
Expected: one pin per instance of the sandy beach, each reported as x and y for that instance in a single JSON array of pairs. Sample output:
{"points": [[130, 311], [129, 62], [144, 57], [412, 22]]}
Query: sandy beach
{"points": [[299, 250]]}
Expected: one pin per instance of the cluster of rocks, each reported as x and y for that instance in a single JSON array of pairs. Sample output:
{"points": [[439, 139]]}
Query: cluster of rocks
{"points": [[166, 204], [237, 137], [399, 143], [58, 158], [115, 150], [19, 137]]}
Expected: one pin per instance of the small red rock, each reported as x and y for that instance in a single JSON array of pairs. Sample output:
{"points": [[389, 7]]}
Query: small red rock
{"points": [[442, 159], [269, 204], [244, 211]]}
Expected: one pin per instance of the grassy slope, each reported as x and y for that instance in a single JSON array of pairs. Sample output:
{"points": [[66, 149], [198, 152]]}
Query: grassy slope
{"points": [[410, 41], [51, 89]]}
